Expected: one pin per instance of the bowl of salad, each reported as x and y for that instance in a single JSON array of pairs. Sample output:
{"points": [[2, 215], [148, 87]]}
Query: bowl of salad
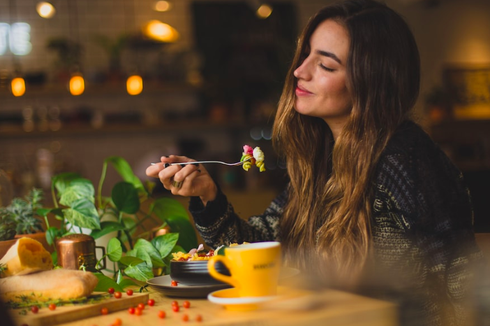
{"points": [[192, 268]]}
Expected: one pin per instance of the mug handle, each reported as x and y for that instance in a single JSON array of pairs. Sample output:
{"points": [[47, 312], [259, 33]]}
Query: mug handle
{"points": [[103, 255], [217, 275]]}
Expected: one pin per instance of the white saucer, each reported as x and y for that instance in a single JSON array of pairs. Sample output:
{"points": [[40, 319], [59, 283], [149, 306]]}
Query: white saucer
{"points": [[229, 299]]}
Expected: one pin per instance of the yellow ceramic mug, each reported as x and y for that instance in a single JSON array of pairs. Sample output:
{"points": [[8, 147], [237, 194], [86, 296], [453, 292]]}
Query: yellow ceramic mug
{"points": [[254, 268]]}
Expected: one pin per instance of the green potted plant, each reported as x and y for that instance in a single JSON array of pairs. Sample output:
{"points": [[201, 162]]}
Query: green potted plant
{"points": [[135, 254], [21, 219]]}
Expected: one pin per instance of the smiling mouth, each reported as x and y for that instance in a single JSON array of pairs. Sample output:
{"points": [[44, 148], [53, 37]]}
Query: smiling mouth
{"points": [[301, 91]]}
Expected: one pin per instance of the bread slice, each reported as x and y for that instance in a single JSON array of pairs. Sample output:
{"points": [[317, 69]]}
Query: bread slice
{"points": [[56, 284], [24, 257]]}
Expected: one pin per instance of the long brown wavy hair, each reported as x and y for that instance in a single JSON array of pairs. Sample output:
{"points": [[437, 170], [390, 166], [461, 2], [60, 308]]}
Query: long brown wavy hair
{"points": [[328, 215]]}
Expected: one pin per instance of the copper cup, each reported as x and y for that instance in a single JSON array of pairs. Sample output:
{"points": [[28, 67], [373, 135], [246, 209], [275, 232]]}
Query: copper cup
{"points": [[77, 251]]}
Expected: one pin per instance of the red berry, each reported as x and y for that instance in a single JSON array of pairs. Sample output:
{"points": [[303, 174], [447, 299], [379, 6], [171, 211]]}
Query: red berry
{"points": [[131, 310], [138, 311], [35, 309], [199, 318], [129, 292], [104, 311], [175, 308], [141, 306], [117, 295], [52, 306], [151, 302], [174, 283], [161, 314], [110, 290], [186, 304], [185, 317]]}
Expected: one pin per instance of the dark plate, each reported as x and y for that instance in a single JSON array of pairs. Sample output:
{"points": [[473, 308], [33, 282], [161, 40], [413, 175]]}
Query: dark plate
{"points": [[195, 272], [163, 285]]}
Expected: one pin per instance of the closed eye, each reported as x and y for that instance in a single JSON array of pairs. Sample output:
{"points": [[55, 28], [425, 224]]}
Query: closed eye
{"points": [[326, 68]]}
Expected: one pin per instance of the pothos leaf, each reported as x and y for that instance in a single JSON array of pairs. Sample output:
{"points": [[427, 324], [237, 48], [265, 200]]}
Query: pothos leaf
{"points": [[141, 272], [114, 250], [125, 197], [82, 214]]}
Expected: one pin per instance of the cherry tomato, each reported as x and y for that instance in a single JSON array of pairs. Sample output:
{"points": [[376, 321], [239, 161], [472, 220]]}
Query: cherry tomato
{"points": [[131, 310], [174, 283], [185, 317], [117, 295], [141, 306], [138, 311], [52, 306], [104, 311], [110, 290], [186, 304], [175, 303], [199, 318], [117, 322], [151, 302], [175, 308], [129, 292], [35, 309], [161, 314]]}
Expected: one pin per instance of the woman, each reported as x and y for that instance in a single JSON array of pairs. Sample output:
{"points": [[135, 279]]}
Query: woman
{"points": [[370, 195]]}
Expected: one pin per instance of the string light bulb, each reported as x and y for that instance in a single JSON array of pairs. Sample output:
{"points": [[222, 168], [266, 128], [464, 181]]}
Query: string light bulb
{"points": [[18, 86], [162, 6], [77, 85], [159, 31], [134, 85], [264, 11], [45, 9]]}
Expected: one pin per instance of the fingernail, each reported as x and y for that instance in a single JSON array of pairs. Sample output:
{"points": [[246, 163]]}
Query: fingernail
{"points": [[166, 165], [195, 164], [198, 170]]}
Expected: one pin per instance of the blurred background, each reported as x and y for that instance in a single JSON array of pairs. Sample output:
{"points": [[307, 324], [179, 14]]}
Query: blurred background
{"points": [[82, 80]]}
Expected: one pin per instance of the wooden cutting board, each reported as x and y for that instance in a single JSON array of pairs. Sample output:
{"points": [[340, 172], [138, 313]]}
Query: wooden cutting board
{"points": [[70, 313]]}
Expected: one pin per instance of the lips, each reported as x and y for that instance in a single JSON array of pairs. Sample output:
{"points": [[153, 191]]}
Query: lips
{"points": [[301, 91]]}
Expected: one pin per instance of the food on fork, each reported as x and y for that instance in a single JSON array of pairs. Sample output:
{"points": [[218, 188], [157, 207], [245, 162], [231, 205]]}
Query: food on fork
{"points": [[26, 256], [252, 156]]}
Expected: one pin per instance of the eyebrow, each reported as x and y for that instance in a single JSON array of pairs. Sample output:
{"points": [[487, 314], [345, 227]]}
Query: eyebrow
{"points": [[329, 54]]}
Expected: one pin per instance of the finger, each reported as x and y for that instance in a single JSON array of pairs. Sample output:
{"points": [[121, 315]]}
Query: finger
{"points": [[167, 175], [153, 170]]}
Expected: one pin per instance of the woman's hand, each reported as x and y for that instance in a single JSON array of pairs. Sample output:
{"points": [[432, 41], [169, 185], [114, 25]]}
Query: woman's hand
{"points": [[189, 180]]}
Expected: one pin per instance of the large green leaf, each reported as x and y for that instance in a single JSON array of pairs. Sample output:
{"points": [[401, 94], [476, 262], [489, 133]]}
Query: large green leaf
{"points": [[105, 283], [141, 272], [171, 211], [114, 250], [130, 260], [125, 171], [77, 188], [187, 233], [146, 251], [106, 228], [166, 207], [165, 243], [62, 181], [82, 214], [125, 197]]}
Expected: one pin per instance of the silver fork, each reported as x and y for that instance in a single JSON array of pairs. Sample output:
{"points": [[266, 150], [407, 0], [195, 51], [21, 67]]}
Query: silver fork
{"points": [[204, 162]]}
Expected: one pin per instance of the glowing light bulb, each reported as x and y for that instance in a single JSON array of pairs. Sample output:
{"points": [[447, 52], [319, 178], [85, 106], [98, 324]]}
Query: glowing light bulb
{"points": [[134, 85], [18, 86], [264, 11], [77, 85], [159, 31], [45, 9], [162, 6]]}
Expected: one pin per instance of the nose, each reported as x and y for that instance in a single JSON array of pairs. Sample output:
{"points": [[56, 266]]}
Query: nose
{"points": [[302, 72]]}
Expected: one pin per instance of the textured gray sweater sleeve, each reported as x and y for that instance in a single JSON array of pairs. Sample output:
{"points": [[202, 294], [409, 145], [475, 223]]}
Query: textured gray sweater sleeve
{"points": [[218, 224]]}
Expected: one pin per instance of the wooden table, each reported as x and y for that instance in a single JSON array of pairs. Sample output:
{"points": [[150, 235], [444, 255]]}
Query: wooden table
{"points": [[328, 307]]}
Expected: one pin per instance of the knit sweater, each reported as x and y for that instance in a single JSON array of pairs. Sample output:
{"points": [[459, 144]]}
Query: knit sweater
{"points": [[422, 231]]}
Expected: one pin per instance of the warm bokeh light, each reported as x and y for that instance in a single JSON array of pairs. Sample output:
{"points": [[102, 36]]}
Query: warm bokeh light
{"points": [[162, 6], [77, 85], [45, 9], [159, 31], [134, 85], [18, 86], [264, 11]]}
